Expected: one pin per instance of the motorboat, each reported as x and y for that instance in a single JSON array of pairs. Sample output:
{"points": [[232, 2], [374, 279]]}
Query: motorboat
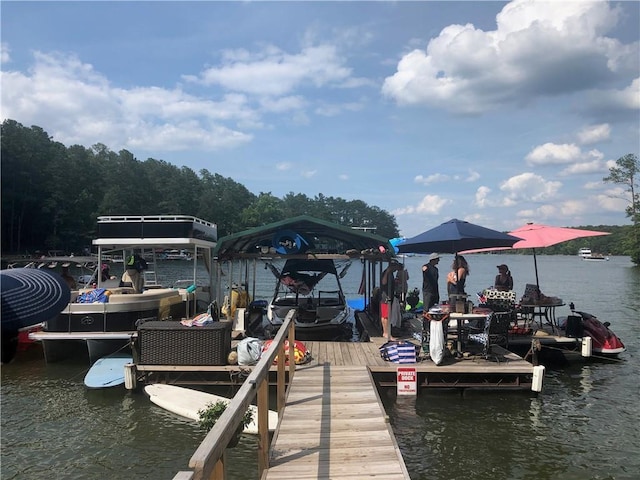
{"points": [[313, 287], [603, 340], [587, 254], [175, 254], [102, 317], [584, 252], [596, 257]]}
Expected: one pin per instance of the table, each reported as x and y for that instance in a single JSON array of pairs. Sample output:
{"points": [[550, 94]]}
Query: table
{"points": [[460, 318], [546, 311]]}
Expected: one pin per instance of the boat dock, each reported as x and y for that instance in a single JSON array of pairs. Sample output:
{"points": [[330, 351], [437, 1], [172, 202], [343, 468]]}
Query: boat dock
{"points": [[334, 426]]}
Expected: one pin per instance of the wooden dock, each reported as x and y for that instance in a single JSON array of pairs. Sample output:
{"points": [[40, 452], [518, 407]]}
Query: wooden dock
{"points": [[334, 425], [332, 421]]}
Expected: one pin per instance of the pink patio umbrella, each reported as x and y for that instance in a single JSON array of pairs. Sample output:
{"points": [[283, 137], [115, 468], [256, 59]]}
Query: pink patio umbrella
{"points": [[535, 235]]}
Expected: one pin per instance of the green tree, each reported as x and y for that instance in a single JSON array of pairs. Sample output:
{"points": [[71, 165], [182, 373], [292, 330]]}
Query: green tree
{"points": [[53, 194], [626, 173], [221, 201], [266, 209]]}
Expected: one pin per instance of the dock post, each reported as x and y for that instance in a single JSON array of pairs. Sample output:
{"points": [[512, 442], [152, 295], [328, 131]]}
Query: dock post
{"points": [[130, 376], [538, 376], [586, 346]]}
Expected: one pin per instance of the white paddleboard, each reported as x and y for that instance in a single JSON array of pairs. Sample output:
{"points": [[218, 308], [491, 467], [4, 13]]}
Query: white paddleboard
{"points": [[186, 402], [107, 371]]}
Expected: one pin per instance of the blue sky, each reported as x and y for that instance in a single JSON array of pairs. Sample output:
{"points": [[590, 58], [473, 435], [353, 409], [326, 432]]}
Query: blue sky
{"points": [[498, 113]]}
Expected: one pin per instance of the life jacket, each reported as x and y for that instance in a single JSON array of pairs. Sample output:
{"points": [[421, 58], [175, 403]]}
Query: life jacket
{"points": [[300, 352]]}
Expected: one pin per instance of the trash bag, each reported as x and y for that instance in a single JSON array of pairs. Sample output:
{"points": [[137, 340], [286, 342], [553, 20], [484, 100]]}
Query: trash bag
{"points": [[249, 351], [436, 342]]}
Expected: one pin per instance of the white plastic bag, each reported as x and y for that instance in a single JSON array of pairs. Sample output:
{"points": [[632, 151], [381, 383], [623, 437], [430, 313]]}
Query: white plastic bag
{"points": [[436, 342], [249, 351]]}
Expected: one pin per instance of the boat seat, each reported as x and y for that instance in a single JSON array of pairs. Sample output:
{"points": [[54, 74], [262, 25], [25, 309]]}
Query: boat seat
{"points": [[146, 295]]}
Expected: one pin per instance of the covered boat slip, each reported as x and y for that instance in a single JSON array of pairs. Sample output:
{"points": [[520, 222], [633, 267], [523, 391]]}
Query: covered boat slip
{"points": [[238, 256]]}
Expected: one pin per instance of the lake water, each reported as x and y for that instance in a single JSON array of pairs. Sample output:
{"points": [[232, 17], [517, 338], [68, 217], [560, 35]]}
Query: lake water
{"points": [[584, 425]]}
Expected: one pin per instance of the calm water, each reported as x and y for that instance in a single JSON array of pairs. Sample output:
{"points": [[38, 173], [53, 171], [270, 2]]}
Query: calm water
{"points": [[584, 425]]}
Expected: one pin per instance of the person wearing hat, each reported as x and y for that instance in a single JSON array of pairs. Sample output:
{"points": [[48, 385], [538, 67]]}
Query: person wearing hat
{"points": [[504, 280], [430, 274]]}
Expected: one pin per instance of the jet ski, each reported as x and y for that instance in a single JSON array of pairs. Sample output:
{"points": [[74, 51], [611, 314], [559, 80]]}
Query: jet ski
{"points": [[603, 340]]}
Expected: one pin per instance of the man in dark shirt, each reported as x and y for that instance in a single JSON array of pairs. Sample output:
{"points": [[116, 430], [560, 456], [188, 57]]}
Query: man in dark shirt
{"points": [[430, 291]]}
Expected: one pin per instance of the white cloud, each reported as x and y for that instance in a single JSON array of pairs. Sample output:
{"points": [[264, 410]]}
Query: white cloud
{"points": [[614, 102], [553, 154], [79, 105], [537, 49], [273, 72], [594, 134], [615, 199], [529, 187], [473, 176], [308, 173], [482, 197], [283, 104], [5, 56], [333, 110], [430, 204], [593, 166], [428, 180], [283, 166]]}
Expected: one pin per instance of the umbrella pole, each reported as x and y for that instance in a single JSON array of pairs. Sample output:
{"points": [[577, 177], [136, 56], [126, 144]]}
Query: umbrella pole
{"points": [[535, 265]]}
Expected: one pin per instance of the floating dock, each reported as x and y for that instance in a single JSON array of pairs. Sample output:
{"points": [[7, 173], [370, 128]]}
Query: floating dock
{"points": [[501, 370]]}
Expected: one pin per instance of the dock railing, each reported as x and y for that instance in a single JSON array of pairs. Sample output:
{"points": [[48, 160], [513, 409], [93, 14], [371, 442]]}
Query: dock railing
{"points": [[208, 461]]}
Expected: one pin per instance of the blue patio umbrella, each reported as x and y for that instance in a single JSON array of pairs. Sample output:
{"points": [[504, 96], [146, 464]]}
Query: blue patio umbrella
{"points": [[455, 236]]}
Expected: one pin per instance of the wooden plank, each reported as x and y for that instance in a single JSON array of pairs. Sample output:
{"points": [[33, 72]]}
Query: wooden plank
{"points": [[334, 426], [346, 353]]}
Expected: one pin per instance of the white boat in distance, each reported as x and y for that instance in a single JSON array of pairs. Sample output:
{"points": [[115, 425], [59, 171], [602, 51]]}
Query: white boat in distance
{"points": [[175, 255], [587, 254]]}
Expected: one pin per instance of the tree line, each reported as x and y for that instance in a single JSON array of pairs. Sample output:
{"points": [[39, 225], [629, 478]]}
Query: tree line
{"points": [[53, 194]]}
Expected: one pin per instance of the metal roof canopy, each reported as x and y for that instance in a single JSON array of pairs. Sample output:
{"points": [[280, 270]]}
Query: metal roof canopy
{"points": [[321, 238]]}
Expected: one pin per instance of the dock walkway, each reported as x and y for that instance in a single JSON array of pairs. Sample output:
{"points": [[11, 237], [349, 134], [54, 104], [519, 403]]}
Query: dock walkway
{"points": [[334, 426]]}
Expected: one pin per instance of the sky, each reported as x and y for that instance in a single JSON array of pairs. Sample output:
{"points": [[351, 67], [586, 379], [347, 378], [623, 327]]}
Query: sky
{"points": [[498, 113]]}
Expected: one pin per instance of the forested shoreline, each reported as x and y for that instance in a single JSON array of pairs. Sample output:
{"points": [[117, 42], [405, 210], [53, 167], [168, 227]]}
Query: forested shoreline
{"points": [[52, 195]]}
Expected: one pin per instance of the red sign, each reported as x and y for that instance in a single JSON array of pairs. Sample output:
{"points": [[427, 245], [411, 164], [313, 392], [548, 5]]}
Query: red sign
{"points": [[407, 381]]}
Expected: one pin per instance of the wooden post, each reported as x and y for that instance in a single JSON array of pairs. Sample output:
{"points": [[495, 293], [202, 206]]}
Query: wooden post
{"points": [[220, 470], [130, 376], [292, 346], [281, 387], [263, 426]]}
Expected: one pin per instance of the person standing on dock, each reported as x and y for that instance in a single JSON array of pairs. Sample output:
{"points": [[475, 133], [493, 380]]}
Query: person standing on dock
{"points": [[389, 304], [457, 277], [430, 275]]}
